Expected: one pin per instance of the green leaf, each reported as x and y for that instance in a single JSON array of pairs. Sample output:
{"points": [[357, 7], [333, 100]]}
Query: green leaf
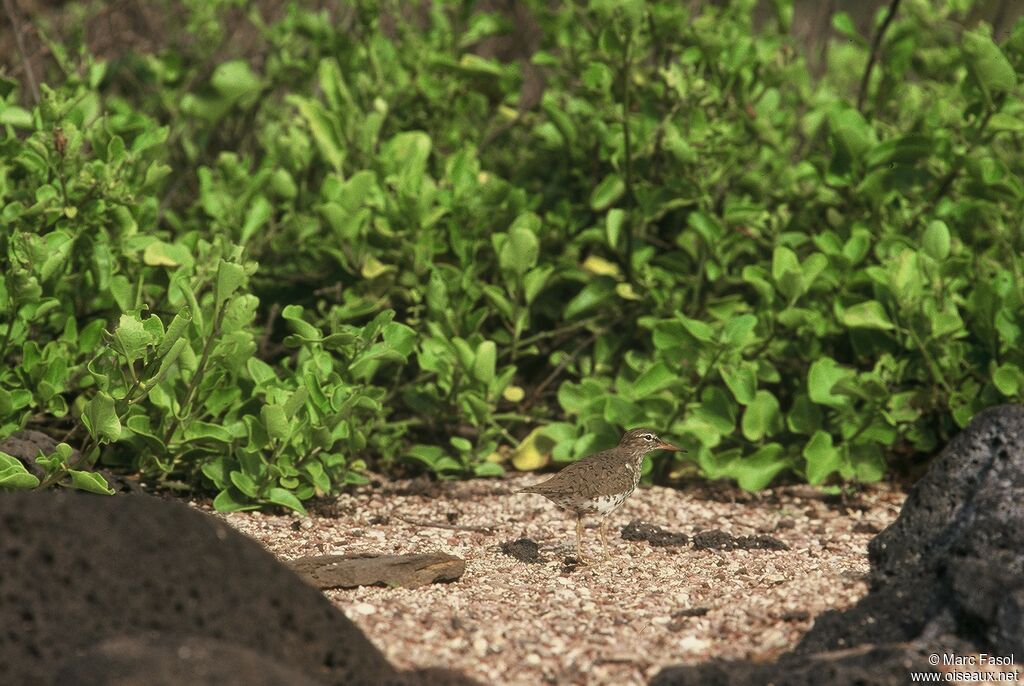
{"points": [[823, 458], [484, 361], [852, 132], [100, 418], [741, 380], [232, 500], [304, 331], [280, 496], [987, 63], [236, 81], [535, 280], [936, 240], [244, 483], [275, 421], [1008, 378], [16, 479], [698, 329], [868, 462], [805, 417], [175, 330], [90, 481], [170, 358], [717, 411], [132, 337], [614, 223], [160, 254], [322, 126], [295, 401], [762, 417], [607, 193], [488, 469], [739, 331], [655, 378], [621, 412], [866, 315], [12, 115], [757, 471], [13, 475], [823, 375], [519, 251], [1001, 121], [230, 277], [261, 372], [593, 295]]}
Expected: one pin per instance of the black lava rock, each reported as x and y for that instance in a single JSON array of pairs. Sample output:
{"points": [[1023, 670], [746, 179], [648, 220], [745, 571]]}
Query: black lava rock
{"points": [[80, 571], [524, 550], [716, 539], [637, 530], [161, 660], [947, 577]]}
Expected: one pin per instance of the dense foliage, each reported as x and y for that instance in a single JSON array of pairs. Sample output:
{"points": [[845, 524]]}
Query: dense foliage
{"points": [[260, 275]]}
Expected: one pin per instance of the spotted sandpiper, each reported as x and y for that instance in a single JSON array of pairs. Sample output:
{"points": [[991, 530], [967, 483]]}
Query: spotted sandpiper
{"points": [[598, 484]]}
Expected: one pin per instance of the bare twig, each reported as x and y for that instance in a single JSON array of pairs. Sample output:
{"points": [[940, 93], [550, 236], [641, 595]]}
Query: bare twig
{"points": [[876, 42], [558, 370], [440, 525], [30, 77], [268, 329]]}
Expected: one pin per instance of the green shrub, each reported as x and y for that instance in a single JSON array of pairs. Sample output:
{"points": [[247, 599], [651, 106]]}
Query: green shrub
{"points": [[688, 231]]}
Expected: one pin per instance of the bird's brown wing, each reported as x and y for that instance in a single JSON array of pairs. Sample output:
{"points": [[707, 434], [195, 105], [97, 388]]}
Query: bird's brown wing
{"points": [[590, 477]]}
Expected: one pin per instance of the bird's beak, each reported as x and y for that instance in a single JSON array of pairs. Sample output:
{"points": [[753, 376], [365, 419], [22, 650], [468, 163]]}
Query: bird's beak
{"points": [[668, 446]]}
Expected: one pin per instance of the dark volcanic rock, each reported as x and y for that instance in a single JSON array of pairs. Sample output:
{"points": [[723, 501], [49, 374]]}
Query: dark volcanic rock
{"points": [[716, 539], [27, 445], [523, 549], [79, 570], [637, 530], [869, 666], [161, 660], [953, 561], [947, 577]]}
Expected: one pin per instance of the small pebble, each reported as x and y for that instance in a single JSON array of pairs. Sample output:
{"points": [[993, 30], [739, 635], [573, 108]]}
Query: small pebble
{"points": [[364, 609]]}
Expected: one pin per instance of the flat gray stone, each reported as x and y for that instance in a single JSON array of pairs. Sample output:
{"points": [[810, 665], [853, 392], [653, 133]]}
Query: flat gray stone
{"points": [[367, 569]]}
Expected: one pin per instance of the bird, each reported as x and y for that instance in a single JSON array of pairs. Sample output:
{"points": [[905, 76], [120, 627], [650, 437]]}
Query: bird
{"points": [[600, 483]]}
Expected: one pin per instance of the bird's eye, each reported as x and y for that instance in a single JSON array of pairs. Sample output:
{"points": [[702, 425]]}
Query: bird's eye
{"points": [[649, 437]]}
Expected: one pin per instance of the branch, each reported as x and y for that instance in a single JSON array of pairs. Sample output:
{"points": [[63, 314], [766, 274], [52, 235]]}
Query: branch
{"points": [[875, 45], [30, 77]]}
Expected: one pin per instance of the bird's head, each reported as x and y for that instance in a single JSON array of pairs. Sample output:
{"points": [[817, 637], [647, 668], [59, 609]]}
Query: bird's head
{"points": [[643, 441]]}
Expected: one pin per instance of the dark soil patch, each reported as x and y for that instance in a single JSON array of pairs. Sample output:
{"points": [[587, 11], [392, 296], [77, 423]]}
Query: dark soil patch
{"points": [[655, 535]]}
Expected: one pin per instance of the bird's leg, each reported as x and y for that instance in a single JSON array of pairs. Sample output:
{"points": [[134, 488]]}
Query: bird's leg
{"points": [[601, 532], [579, 537]]}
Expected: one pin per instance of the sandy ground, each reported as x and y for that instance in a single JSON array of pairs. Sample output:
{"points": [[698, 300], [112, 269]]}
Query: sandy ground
{"points": [[615, 621]]}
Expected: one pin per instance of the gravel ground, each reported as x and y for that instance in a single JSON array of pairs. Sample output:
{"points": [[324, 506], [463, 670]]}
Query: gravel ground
{"points": [[616, 621]]}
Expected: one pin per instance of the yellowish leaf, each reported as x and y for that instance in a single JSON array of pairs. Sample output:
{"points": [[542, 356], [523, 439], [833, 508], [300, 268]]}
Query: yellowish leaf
{"points": [[625, 291], [372, 268], [533, 453], [513, 394], [601, 267]]}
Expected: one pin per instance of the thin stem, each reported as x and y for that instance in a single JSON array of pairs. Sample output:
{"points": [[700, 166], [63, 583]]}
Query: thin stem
{"points": [[695, 393], [933, 366], [559, 369], [876, 43], [557, 332], [193, 385], [7, 340]]}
